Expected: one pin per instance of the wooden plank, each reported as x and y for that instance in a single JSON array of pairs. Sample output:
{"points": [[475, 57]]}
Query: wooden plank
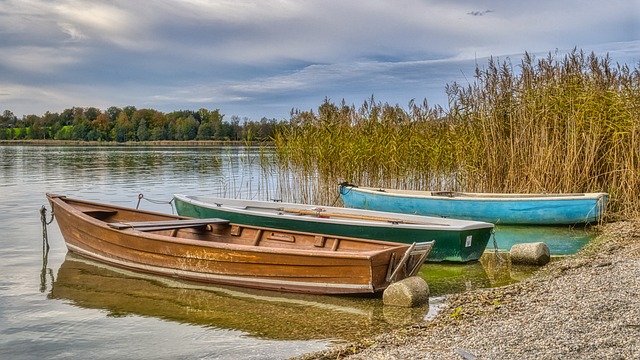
{"points": [[166, 224]]}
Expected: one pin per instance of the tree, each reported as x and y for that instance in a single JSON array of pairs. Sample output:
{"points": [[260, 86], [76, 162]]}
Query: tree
{"points": [[66, 118], [206, 131], [129, 110], [101, 127], [38, 131], [8, 119], [186, 129], [159, 127], [123, 129], [22, 131], [49, 119], [92, 113], [80, 129], [113, 113], [143, 131]]}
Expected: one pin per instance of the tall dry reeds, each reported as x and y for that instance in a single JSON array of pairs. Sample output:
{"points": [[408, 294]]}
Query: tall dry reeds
{"points": [[557, 124]]}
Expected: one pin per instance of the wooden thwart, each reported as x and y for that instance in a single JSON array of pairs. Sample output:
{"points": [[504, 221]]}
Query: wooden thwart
{"points": [[166, 224]]}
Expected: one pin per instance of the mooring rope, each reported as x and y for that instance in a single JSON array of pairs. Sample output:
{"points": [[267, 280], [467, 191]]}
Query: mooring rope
{"points": [[43, 219], [45, 246], [343, 185], [495, 246], [141, 197], [335, 202]]}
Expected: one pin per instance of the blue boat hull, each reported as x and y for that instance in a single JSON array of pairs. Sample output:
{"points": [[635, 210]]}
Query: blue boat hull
{"points": [[505, 209]]}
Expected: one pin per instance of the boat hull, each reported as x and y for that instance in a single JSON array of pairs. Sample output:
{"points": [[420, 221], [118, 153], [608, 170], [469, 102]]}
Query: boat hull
{"points": [[452, 243], [525, 209], [321, 265]]}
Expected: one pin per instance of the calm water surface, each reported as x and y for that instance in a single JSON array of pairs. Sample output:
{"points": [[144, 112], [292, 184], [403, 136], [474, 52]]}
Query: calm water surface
{"points": [[61, 306]]}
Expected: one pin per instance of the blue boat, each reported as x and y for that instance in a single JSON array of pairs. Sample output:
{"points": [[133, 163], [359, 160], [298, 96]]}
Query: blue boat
{"points": [[511, 209]]}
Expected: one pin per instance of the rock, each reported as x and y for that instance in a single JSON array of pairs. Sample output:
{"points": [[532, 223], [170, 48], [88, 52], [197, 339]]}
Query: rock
{"points": [[530, 253], [410, 292]]}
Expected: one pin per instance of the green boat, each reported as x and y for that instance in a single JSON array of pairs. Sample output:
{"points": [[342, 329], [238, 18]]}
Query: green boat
{"points": [[455, 240]]}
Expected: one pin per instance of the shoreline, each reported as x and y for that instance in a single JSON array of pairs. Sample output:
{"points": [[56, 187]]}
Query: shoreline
{"points": [[135, 143], [586, 305]]}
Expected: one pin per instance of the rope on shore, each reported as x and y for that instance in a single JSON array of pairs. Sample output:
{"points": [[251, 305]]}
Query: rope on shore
{"points": [[141, 197]]}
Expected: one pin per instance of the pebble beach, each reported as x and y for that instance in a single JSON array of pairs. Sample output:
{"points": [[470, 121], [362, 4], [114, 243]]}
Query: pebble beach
{"points": [[584, 306]]}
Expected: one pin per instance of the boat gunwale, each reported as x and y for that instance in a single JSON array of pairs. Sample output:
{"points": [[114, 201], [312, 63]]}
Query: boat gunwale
{"points": [[467, 196], [454, 225]]}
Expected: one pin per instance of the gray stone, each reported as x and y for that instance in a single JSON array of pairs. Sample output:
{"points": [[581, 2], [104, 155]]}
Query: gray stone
{"points": [[530, 254], [410, 292]]}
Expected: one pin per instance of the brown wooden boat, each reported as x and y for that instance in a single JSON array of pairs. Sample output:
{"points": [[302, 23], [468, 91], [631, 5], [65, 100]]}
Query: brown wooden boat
{"points": [[216, 251]]}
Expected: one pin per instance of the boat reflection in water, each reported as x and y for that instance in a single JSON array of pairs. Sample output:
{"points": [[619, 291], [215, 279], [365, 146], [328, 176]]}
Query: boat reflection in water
{"points": [[561, 240], [493, 270], [260, 313]]}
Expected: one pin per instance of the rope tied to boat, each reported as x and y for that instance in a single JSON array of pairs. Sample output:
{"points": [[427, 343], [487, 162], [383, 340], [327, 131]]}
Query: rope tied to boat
{"points": [[45, 223], [45, 247], [345, 188], [495, 246], [141, 197]]}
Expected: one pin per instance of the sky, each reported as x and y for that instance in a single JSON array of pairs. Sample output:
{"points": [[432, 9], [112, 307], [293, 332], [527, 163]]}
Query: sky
{"points": [[255, 59]]}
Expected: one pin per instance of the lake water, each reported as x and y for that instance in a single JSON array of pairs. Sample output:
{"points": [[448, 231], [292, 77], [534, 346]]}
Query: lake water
{"points": [[57, 306]]}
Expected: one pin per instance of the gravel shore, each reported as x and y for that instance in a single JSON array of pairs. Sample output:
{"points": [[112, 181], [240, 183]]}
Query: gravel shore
{"points": [[586, 306]]}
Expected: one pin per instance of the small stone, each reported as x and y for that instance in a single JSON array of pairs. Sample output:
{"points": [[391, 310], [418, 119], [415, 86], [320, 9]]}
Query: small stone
{"points": [[530, 253], [410, 292]]}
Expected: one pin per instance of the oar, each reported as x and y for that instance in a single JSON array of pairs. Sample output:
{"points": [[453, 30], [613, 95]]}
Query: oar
{"points": [[359, 217], [351, 216]]}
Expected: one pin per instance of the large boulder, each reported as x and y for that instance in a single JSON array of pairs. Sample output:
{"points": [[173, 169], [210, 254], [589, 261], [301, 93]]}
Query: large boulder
{"points": [[410, 292], [530, 254]]}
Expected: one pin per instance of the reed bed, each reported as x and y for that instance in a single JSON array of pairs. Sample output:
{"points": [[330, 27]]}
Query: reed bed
{"points": [[558, 124]]}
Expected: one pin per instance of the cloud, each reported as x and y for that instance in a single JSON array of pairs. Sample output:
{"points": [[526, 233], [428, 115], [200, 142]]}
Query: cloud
{"points": [[74, 33], [250, 57]]}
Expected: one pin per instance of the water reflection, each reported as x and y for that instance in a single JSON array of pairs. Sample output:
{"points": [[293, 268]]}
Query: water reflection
{"points": [[561, 240], [230, 170], [260, 314]]}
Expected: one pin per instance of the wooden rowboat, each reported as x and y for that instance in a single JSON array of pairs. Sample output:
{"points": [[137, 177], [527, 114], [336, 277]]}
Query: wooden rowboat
{"points": [[217, 251], [455, 240], [521, 209]]}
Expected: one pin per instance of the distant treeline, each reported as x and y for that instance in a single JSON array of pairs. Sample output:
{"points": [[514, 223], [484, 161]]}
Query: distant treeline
{"points": [[129, 124]]}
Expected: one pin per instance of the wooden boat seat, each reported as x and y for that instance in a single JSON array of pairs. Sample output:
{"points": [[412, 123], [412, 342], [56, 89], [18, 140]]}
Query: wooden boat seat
{"points": [[167, 224]]}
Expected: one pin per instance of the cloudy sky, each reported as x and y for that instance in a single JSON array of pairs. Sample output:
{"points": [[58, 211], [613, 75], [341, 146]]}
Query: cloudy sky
{"points": [[259, 59]]}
